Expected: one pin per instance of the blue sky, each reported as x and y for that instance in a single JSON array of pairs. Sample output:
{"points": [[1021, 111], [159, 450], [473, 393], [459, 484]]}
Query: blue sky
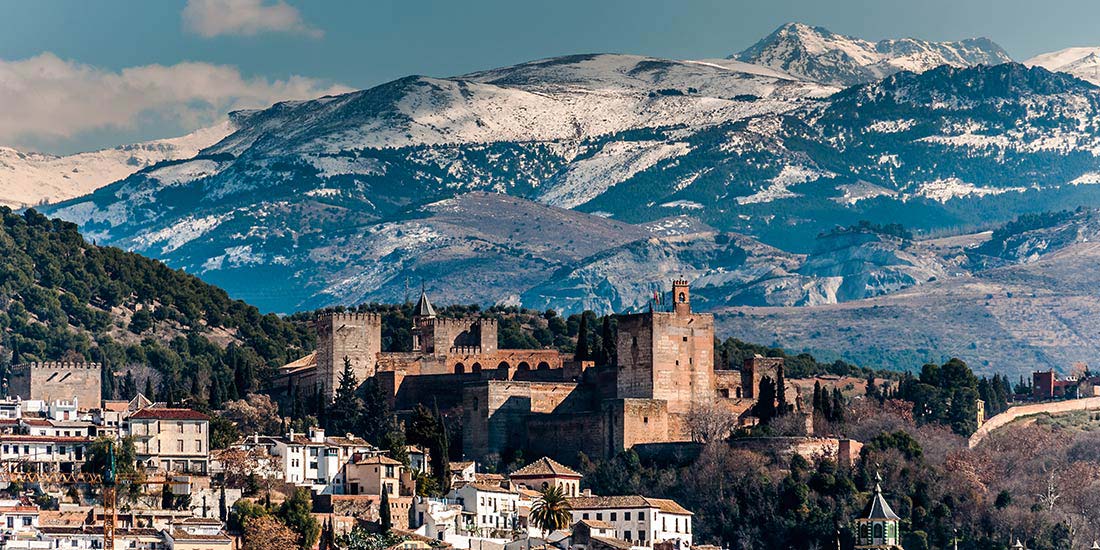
{"points": [[95, 74]]}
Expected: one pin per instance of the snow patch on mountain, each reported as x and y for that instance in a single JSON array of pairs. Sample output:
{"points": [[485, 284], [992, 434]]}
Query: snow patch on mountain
{"points": [[789, 176], [614, 163], [943, 190], [28, 179], [1084, 63]]}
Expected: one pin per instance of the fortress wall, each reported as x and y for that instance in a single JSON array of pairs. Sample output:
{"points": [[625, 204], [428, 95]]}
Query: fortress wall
{"points": [[58, 380]]}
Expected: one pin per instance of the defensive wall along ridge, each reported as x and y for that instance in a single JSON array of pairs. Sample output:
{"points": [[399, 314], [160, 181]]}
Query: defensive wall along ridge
{"points": [[1020, 411]]}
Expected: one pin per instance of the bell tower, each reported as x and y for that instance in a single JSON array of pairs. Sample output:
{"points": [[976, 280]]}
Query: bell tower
{"points": [[681, 297]]}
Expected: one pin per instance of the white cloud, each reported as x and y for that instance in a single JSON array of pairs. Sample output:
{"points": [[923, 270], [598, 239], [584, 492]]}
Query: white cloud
{"points": [[212, 18], [45, 98]]}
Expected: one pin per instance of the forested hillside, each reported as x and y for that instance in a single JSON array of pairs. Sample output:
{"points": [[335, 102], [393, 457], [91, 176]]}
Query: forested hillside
{"points": [[62, 298]]}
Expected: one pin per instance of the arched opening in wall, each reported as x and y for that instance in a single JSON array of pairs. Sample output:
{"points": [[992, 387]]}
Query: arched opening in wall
{"points": [[545, 485], [739, 393], [523, 365], [543, 365], [476, 367], [460, 368], [503, 365], [683, 297]]}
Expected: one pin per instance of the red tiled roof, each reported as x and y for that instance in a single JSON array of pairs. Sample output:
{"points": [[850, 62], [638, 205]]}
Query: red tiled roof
{"points": [[153, 413], [545, 467]]}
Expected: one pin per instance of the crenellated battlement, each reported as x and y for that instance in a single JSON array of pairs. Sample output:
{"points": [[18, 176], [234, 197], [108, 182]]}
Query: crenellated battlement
{"points": [[57, 365], [350, 316]]}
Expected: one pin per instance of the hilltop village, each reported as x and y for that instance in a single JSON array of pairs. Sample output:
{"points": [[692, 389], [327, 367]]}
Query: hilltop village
{"points": [[177, 490], [461, 443]]}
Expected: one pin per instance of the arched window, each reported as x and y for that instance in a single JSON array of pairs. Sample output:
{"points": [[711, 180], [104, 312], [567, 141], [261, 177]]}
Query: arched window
{"points": [[545, 485], [739, 393], [476, 367], [503, 365], [460, 368], [523, 365], [543, 365], [683, 297], [878, 530]]}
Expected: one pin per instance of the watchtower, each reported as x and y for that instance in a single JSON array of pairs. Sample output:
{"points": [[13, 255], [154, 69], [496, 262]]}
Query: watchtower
{"points": [[355, 336]]}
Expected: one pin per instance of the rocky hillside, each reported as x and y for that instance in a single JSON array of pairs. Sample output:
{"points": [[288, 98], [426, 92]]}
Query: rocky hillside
{"points": [[1019, 298], [817, 54]]}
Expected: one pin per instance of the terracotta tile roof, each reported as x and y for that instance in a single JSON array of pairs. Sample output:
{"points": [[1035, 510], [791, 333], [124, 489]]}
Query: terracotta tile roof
{"points": [[456, 466], [627, 501], [155, 413], [40, 422], [379, 459], [545, 467]]}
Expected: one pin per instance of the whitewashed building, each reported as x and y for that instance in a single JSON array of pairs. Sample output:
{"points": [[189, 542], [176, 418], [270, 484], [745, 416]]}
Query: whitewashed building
{"points": [[642, 521]]}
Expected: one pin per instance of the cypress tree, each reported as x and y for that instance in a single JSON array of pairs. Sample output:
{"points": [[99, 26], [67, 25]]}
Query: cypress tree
{"points": [[838, 406], [149, 393], [384, 513], [765, 403], [582, 339], [780, 392]]}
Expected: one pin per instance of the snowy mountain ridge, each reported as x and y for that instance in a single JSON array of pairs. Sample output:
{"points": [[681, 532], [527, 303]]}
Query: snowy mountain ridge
{"points": [[819, 55]]}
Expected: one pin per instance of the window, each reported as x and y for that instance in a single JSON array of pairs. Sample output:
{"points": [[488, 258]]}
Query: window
{"points": [[614, 516], [198, 445], [645, 420], [389, 471], [180, 426], [313, 465], [599, 516], [626, 535], [584, 515], [626, 516], [685, 338], [179, 445], [878, 530], [664, 524], [26, 522], [313, 451], [677, 525], [641, 537]]}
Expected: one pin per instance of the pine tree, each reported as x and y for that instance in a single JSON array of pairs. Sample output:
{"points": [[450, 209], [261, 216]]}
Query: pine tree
{"points": [[582, 339], [347, 408]]}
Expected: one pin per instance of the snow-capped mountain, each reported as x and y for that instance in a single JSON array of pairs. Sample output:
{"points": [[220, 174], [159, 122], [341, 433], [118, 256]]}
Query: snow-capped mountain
{"points": [[817, 54], [1084, 63], [28, 178], [315, 193]]}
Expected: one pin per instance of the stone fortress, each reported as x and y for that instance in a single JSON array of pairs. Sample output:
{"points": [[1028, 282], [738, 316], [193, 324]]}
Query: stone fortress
{"points": [[536, 399], [59, 380]]}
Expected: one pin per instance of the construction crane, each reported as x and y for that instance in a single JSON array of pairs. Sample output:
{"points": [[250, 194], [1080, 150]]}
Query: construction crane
{"points": [[107, 482]]}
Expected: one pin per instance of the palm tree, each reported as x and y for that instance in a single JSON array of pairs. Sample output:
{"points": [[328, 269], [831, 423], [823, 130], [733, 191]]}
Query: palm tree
{"points": [[551, 511]]}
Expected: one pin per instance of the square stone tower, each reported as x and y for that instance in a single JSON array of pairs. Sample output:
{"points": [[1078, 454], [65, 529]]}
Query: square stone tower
{"points": [[357, 336], [667, 354]]}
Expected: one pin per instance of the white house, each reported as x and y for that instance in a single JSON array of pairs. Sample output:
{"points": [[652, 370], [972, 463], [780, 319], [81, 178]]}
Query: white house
{"points": [[48, 453], [487, 508], [315, 460], [435, 518], [640, 520]]}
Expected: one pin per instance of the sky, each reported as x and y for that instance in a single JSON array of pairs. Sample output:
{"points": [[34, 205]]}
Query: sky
{"points": [[78, 75]]}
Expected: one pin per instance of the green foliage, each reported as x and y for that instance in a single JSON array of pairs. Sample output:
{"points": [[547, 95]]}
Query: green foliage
{"points": [[385, 519], [295, 513], [731, 353], [361, 539], [59, 294], [550, 511], [945, 394]]}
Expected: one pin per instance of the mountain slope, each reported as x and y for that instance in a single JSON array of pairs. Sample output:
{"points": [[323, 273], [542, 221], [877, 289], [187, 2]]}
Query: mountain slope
{"points": [[28, 179], [63, 298], [1083, 63], [817, 54]]}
